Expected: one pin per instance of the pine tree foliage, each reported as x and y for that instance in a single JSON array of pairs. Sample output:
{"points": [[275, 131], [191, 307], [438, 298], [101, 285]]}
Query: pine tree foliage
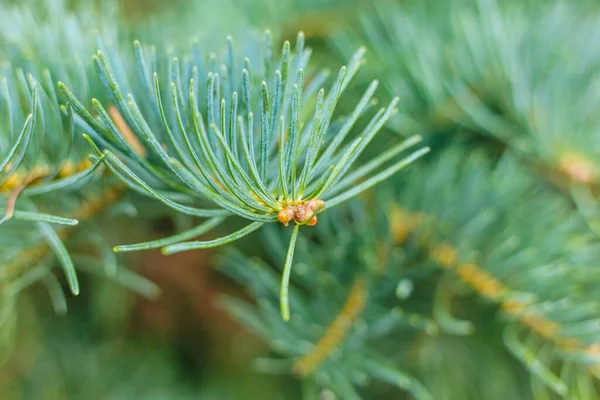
{"points": [[193, 150], [495, 68], [361, 309], [470, 276], [48, 181], [344, 314]]}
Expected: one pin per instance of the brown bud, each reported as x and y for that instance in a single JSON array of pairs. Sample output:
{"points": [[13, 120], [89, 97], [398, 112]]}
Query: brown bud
{"points": [[313, 221], [286, 215], [316, 204], [303, 212]]}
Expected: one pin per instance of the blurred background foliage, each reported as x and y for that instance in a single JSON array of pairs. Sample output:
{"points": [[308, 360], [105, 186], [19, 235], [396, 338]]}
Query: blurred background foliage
{"points": [[472, 275]]}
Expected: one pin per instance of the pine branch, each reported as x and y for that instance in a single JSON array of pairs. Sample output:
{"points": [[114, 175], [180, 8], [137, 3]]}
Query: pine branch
{"points": [[414, 239], [202, 147], [491, 67], [536, 295], [44, 169]]}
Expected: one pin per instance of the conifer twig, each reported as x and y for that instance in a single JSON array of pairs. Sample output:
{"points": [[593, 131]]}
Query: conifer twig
{"points": [[489, 287], [187, 147], [336, 332]]}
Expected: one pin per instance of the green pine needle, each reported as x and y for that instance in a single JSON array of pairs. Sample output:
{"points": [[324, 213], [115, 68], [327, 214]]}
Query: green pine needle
{"points": [[232, 237], [31, 216]]}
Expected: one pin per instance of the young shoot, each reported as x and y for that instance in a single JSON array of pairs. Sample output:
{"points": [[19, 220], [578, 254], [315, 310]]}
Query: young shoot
{"points": [[267, 149]]}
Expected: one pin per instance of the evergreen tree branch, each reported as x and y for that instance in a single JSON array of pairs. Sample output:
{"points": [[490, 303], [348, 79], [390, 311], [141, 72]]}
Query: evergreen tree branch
{"points": [[336, 332], [302, 160]]}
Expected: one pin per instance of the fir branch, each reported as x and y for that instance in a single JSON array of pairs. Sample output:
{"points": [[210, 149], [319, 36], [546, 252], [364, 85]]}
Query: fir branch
{"points": [[40, 172], [490, 271], [35, 164], [193, 142], [492, 289], [460, 234], [492, 68]]}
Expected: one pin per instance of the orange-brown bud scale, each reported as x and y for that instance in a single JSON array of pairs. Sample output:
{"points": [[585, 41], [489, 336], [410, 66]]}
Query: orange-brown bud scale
{"points": [[315, 204], [301, 212], [286, 215], [312, 222]]}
